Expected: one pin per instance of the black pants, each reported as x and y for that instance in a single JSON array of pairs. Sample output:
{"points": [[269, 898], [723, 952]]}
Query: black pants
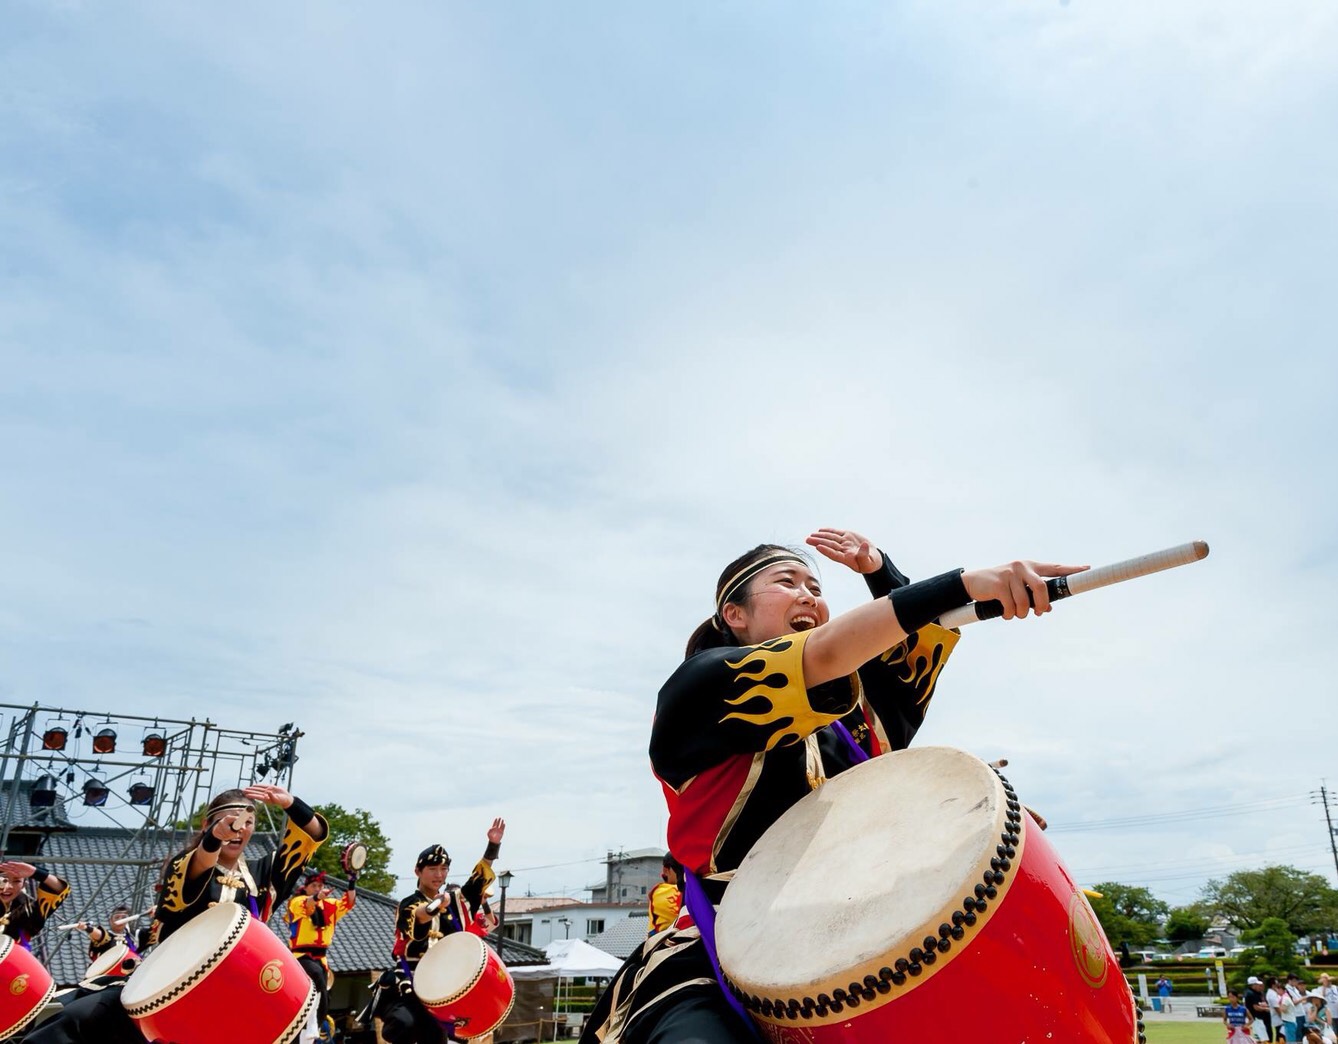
{"points": [[404, 1020], [316, 972], [97, 1018]]}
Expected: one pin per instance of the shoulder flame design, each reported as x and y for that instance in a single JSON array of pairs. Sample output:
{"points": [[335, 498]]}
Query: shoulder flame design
{"points": [[772, 674]]}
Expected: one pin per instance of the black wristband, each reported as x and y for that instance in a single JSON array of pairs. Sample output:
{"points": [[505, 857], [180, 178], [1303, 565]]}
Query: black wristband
{"points": [[884, 581], [211, 842], [40, 873], [300, 812], [925, 601], [491, 852]]}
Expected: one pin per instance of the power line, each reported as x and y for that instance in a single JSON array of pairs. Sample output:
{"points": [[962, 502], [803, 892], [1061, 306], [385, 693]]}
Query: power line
{"points": [[1182, 816]]}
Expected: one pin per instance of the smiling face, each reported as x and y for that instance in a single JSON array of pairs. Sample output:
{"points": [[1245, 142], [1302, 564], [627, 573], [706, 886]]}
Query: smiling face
{"points": [[784, 598], [431, 878], [10, 887]]}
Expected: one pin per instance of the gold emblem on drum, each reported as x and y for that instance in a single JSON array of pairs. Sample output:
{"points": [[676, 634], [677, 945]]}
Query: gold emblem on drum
{"points": [[271, 977], [19, 985], [1088, 942]]}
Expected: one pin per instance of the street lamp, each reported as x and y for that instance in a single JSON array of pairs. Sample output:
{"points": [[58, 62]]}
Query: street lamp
{"points": [[504, 882], [566, 926]]}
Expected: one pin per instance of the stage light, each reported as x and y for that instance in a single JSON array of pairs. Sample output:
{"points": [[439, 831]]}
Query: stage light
{"points": [[54, 738], [104, 742], [95, 792], [43, 794], [155, 745], [141, 794]]}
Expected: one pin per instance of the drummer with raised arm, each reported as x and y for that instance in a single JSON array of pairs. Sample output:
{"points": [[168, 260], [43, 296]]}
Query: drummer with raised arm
{"points": [[773, 697], [432, 911], [212, 869], [312, 915], [22, 915]]}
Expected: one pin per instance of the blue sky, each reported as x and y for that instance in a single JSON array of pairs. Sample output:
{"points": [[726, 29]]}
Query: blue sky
{"points": [[412, 374]]}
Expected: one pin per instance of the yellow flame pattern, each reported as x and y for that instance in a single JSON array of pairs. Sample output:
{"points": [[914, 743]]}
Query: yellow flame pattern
{"points": [[780, 660]]}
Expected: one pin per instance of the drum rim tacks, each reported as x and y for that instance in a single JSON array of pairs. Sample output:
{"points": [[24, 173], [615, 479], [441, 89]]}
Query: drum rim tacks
{"points": [[160, 999]]}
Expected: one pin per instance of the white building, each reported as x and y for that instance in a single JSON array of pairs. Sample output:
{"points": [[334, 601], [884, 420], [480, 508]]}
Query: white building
{"points": [[539, 921]]}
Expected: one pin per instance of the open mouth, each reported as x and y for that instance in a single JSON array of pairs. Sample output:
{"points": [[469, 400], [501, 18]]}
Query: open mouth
{"points": [[804, 622]]}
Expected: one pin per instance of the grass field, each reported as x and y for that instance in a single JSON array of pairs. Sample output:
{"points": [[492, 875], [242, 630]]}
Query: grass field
{"points": [[1185, 1032]]}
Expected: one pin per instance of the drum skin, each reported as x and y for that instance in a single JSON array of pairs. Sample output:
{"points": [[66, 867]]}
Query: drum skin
{"points": [[223, 961], [25, 987], [461, 980], [119, 961], [1027, 962]]}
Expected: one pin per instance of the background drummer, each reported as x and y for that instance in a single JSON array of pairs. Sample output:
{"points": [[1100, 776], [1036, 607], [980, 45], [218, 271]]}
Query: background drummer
{"points": [[22, 915], [101, 939], [212, 869], [774, 696], [430, 912], [312, 916]]}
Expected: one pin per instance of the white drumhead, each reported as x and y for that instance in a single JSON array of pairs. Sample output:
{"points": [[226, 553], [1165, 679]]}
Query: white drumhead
{"points": [[355, 857], [108, 962], [198, 942], [450, 966], [862, 868]]}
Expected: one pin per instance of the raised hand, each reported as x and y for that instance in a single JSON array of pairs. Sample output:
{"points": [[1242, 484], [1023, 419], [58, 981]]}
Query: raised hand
{"points": [[269, 794], [496, 831], [13, 868], [848, 548]]}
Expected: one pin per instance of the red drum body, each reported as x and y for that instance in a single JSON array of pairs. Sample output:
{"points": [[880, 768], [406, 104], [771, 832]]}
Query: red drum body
{"points": [[462, 980], [222, 978], [25, 987], [911, 893], [119, 960], [353, 858]]}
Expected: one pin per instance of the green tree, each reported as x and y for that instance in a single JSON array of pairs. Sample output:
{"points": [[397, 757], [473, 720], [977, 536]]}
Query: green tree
{"points": [[1128, 914], [1278, 946], [357, 825], [1248, 898], [1185, 924]]}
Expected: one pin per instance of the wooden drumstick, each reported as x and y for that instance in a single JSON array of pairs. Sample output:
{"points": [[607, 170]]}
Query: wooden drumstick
{"points": [[1088, 580]]}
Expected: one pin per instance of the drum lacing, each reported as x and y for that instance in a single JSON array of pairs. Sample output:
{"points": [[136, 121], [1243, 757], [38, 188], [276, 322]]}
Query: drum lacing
{"points": [[1142, 1034], [927, 953]]}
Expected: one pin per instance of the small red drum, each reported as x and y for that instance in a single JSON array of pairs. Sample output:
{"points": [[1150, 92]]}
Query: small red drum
{"points": [[462, 980], [222, 978], [353, 858], [119, 960], [909, 893], [25, 987]]}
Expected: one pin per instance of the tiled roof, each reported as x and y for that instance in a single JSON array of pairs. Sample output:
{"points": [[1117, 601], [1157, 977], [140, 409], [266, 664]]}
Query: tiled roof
{"points": [[362, 941], [25, 817], [622, 936]]}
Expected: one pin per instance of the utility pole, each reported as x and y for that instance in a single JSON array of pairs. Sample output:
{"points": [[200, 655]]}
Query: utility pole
{"points": [[1324, 799]]}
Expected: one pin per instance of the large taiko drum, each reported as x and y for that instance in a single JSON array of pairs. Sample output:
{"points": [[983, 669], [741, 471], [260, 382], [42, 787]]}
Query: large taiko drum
{"points": [[222, 978], [120, 960], [25, 987], [911, 893], [462, 980]]}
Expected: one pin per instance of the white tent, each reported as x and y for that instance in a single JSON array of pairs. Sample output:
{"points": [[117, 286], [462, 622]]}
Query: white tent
{"points": [[571, 959]]}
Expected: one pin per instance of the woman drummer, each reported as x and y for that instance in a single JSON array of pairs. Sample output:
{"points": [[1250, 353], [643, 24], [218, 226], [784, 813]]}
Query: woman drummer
{"points": [[773, 697], [22, 915], [212, 869]]}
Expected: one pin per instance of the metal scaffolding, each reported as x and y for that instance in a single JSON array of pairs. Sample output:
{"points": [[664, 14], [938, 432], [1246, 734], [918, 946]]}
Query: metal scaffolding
{"points": [[150, 784]]}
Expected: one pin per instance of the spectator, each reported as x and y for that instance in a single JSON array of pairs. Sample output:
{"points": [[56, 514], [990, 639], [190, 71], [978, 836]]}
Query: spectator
{"points": [[1296, 991], [1164, 992], [1330, 989], [1258, 1007], [1236, 1017]]}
